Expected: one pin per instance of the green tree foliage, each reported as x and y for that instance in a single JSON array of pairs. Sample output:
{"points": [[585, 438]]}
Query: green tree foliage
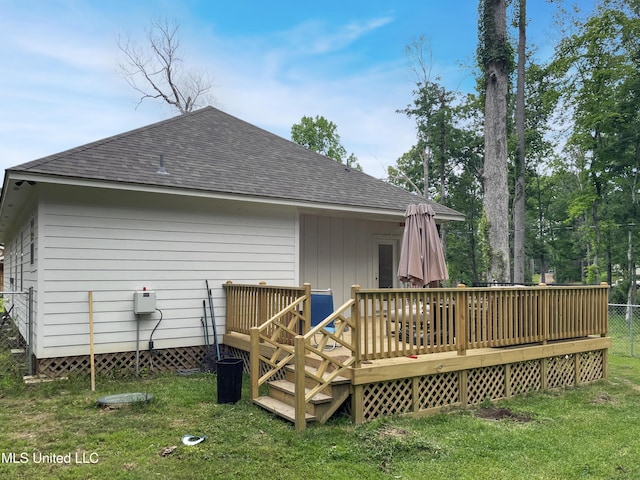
{"points": [[321, 135], [582, 137], [433, 111], [599, 68], [540, 102], [408, 171], [451, 132]]}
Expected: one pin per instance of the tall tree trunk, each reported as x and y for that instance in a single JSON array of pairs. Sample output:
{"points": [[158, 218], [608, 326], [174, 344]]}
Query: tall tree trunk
{"points": [[595, 217], [443, 154], [519, 200], [496, 191], [543, 262], [426, 158]]}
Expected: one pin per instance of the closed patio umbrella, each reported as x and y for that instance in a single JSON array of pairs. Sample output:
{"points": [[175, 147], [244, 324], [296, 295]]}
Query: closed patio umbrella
{"points": [[421, 257]]}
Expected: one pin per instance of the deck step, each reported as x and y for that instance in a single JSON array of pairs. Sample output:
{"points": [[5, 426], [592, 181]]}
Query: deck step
{"points": [[280, 408], [339, 380], [289, 387]]}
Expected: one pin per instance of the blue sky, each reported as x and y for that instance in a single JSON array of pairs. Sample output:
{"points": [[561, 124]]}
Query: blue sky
{"points": [[270, 63]]}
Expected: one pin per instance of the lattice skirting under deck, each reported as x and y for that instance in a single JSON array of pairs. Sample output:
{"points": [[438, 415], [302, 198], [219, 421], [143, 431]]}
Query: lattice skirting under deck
{"points": [[123, 363], [429, 393]]}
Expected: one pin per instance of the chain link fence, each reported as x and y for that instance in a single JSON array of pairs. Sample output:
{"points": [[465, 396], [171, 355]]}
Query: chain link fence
{"points": [[624, 329], [16, 321]]}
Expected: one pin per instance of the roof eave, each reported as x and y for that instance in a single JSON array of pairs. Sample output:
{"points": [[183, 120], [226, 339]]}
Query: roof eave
{"points": [[310, 206]]}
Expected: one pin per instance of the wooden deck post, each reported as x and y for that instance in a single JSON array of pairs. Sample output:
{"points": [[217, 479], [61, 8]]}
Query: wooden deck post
{"points": [[415, 394], [507, 380], [357, 404], [544, 313], [229, 310], [300, 404], [357, 326], [463, 384], [462, 300], [254, 362], [306, 309], [604, 312], [262, 304], [544, 373]]}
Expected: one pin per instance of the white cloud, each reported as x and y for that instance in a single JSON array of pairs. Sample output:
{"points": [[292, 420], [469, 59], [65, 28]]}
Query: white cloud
{"points": [[64, 90], [273, 86], [318, 38]]}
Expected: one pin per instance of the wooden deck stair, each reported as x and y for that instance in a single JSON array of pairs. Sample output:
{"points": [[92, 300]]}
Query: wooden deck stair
{"points": [[281, 398]]}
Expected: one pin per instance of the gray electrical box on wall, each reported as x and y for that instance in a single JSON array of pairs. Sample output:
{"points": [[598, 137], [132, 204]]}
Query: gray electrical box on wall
{"points": [[144, 302]]}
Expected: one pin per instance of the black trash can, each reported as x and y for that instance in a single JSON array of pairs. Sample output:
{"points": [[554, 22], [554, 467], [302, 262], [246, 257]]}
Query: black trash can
{"points": [[229, 380]]}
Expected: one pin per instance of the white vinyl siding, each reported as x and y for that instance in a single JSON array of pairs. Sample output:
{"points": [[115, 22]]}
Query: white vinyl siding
{"points": [[337, 252], [116, 244]]}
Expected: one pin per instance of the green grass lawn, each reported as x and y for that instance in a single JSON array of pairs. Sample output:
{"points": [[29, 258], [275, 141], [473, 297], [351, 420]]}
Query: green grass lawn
{"points": [[590, 432]]}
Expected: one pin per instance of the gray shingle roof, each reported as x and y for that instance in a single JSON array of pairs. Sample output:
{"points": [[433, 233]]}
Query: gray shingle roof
{"points": [[210, 150]]}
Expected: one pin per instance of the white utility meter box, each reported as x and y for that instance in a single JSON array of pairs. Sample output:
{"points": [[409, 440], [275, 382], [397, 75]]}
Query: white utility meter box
{"points": [[144, 302]]}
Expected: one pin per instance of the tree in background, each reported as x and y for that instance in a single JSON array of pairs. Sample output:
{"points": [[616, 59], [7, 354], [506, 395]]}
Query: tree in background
{"points": [[156, 69], [411, 171], [582, 169], [541, 101], [452, 132], [465, 194], [600, 70], [321, 136], [521, 168], [495, 58], [434, 114]]}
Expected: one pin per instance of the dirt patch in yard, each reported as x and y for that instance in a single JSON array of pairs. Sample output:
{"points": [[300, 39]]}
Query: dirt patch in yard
{"points": [[494, 413], [390, 431], [602, 398]]}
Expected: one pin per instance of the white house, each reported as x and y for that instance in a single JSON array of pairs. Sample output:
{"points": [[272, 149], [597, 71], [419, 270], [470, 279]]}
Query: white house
{"points": [[202, 196]]}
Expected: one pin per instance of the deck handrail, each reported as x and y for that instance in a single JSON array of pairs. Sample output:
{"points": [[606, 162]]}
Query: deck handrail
{"points": [[329, 367], [418, 321], [279, 332], [250, 306]]}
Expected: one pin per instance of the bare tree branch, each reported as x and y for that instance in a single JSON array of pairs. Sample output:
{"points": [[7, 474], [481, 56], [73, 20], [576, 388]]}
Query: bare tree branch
{"points": [[403, 176], [156, 71], [420, 58]]}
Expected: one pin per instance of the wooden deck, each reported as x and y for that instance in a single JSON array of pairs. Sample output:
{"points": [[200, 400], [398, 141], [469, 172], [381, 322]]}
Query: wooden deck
{"points": [[411, 361]]}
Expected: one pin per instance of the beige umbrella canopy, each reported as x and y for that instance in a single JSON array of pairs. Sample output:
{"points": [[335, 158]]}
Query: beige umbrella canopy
{"points": [[421, 257]]}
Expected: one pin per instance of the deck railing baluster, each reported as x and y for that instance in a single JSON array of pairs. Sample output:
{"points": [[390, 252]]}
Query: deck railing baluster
{"points": [[396, 322]]}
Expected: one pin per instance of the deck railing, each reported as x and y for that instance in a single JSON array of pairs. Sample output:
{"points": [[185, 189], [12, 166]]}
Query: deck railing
{"points": [[328, 367], [275, 333], [252, 305], [388, 323], [399, 322]]}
